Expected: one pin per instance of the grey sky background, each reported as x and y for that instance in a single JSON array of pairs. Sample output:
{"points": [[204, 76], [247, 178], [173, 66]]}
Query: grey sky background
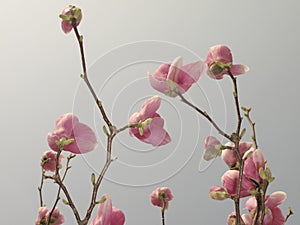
{"points": [[124, 40]]}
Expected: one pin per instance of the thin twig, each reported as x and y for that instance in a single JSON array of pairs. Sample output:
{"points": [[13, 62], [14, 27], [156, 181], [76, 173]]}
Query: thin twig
{"points": [[252, 124], [41, 187], [205, 114], [86, 80]]}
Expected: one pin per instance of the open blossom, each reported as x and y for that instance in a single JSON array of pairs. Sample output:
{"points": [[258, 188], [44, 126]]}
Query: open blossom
{"points": [[69, 127], [43, 217], [230, 183], [181, 76], [273, 214], [161, 196], [212, 147], [107, 214], [219, 60], [150, 125], [48, 161], [230, 157], [69, 15], [253, 164]]}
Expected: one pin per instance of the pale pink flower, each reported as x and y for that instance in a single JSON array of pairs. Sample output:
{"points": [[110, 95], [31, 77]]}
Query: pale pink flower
{"points": [[182, 76], [253, 164], [150, 125], [43, 217], [230, 183], [273, 214], [219, 60], [69, 14], [161, 196], [218, 193], [230, 157], [48, 161], [107, 214], [69, 127], [212, 146]]}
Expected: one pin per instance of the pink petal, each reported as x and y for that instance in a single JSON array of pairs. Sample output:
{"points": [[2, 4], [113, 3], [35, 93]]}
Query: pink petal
{"points": [[251, 204], [189, 74], [52, 138], [278, 218], [158, 135], [219, 53], [158, 84], [174, 69], [117, 217], [275, 199], [65, 123], [85, 140], [66, 26], [150, 106], [268, 219], [104, 212], [239, 69]]}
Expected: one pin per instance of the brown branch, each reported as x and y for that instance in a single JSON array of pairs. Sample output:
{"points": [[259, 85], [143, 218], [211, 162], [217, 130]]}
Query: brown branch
{"points": [[252, 124], [86, 80], [41, 187], [204, 114]]}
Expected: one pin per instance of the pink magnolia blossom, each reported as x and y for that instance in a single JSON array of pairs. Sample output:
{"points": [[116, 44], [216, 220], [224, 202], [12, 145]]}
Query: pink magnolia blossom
{"points": [[150, 128], [107, 214], [69, 14], [273, 214], [219, 59], [161, 196], [182, 76], [230, 157], [69, 127], [230, 183], [43, 217], [253, 164], [218, 193], [48, 161], [212, 147]]}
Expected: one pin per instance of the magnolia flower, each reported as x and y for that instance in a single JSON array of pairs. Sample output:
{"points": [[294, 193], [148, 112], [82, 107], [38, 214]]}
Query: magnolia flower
{"points": [[43, 217], [48, 161], [148, 125], [161, 196], [107, 214], [230, 183], [69, 127], [253, 164], [219, 62], [273, 215], [170, 76], [218, 193], [70, 16], [230, 157], [212, 147]]}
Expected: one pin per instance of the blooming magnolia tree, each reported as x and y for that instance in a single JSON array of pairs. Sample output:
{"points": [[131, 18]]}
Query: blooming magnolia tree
{"points": [[247, 174]]}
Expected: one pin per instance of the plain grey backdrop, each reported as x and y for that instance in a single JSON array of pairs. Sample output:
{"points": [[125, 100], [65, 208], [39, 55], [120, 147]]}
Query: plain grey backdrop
{"points": [[124, 40]]}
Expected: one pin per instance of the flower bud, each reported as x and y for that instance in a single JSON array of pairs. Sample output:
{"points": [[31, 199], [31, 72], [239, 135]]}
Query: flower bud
{"points": [[48, 161], [212, 148], [71, 17], [218, 193], [161, 196]]}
